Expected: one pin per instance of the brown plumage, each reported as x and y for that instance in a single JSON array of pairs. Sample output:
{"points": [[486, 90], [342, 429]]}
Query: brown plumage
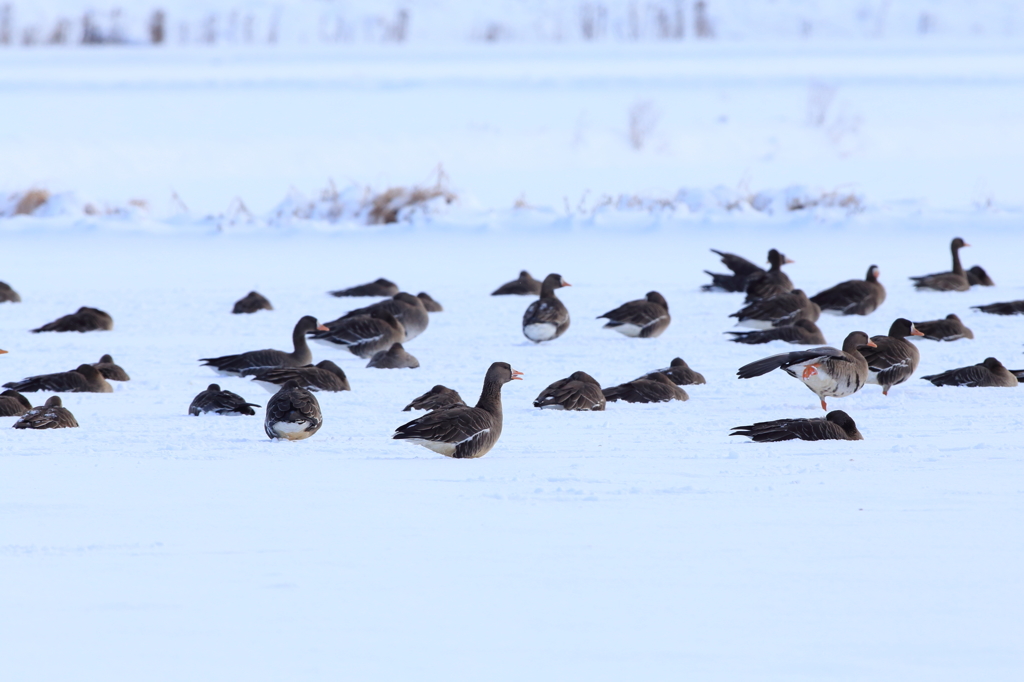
{"points": [[293, 413], [772, 282], [218, 401], [949, 329], [13, 404], [742, 271], [645, 318], [379, 287], [547, 318], [802, 332], [324, 376], [893, 359], [679, 373], [438, 398], [82, 379], [947, 281], [990, 373], [579, 391], [50, 415], [429, 303], [778, 311], [853, 297], [524, 285], [8, 295], [652, 388], [110, 370], [406, 308], [1005, 308], [836, 425], [83, 320], [395, 357], [250, 303], [976, 276], [363, 335], [245, 364]]}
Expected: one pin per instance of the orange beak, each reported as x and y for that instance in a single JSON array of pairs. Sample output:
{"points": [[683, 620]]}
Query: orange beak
{"points": [[966, 244], [914, 331], [565, 284], [872, 344], [323, 328], [517, 375], [2, 352], [789, 260]]}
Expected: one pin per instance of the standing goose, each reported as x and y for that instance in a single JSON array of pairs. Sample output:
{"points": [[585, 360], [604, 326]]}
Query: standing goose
{"points": [[801, 332], [82, 379], [110, 370], [976, 276], [438, 398], [406, 308], [250, 303], [742, 271], [853, 297], [7, 294], [293, 413], [429, 303], [989, 373], [363, 335], [651, 388], [395, 357], [324, 376], [213, 399], [892, 359], [244, 364], [645, 318], [772, 282], [461, 431], [679, 373], [836, 425], [13, 404], [84, 319], [826, 371], [949, 329], [1005, 308], [524, 285], [50, 415], [379, 287], [947, 281], [778, 311], [547, 318], [579, 391]]}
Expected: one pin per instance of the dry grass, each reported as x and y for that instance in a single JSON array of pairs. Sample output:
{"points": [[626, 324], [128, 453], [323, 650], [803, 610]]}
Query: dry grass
{"points": [[388, 206], [30, 201], [643, 119]]}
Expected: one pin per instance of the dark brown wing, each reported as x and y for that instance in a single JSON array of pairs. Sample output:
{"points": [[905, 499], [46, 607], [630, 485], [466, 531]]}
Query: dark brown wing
{"points": [[943, 281], [112, 372], [893, 360], [944, 330], [310, 378], [47, 418], [570, 394], [847, 298], [464, 428], [381, 287], [767, 285], [639, 313], [765, 365], [790, 429], [644, 391], [60, 382], [545, 310], [293, 406], [221, 402], [779, 310], [738, 264], [437, 398], [1006, 308], [789, 334], [250, 362], [359, 334], [975, 375]]}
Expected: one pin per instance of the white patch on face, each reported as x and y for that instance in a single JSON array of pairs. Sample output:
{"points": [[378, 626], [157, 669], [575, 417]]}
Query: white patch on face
{"points": [[540, 331]]}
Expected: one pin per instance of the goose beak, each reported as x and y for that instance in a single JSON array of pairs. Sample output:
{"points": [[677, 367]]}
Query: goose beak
{"points": [[914, 331], [872, 344], [565, 284], [789, 260], [966, 244], [2, 352], [323, 328], [517, 375]]}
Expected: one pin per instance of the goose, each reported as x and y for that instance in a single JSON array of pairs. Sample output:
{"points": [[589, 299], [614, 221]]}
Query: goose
{"points": [[990, 373], [438, 398], [802, 332], [406, 308], [579, 391], [82, 379], [363, 335], [836, 425], [645, 318], [651, 388], [50, 415], [772, 282], [85, 319], [379, 287], [293, 413], [429, 303], [777, 311], [949, 329], [853, 297], [462, 431], [524, 285], [215, 400], [947, 281], [679, 373], [547, 318], [110, 370], [13, 404], [244, 364], [8, 295], [742, 271], [324, 376], [1005, 308], [826, 371], [976, 276], [250, 303], [395, 357], [892, 359]]}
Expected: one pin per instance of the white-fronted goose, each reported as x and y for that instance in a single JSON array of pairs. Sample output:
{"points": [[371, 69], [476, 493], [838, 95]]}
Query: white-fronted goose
{"points": [[947, 281], [13, 404], [244, 364], [989, 373], [324, 376], [652, 388], [364, 335], [1019, 373], [853, 297], [892, 360], [395, 357], [215, 400], [50, 415], [524, 285], [429, 303], [836, 425], [976, 276], [801, 332], [679, 373], [645, 318], [827, 371], [579, 391], [949, 329], [82, 379], [250, 303], [777, 311], [83, 320], [406, 308], [742, 271], [379, 287], [8, 295], [771, 282], [438, 398], [547, 318], [293, 413], [461, 431], [1005, 308], [110, 370]]}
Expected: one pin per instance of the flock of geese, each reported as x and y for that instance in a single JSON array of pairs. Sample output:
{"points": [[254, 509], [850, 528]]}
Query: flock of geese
{"points": [[773, 308]]}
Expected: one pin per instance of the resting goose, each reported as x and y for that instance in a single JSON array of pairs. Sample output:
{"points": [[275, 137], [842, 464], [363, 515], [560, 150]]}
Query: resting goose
{"points": [[892, 359], [406, 308], [215, 400], [949, 329], [324, 376], [524, 285], [777, 311], [645, 318], [836, 425], [976, 276], [679, 373], [379, 287], [742, 271], [652, 388], [50, 415], [438, 398], [244, 364], [395, 357], [293, 413], [770, 283], [989, 373], [83, 320], [1005, 308], [826, 371], [947, 281], [82, 379], [547, 318], [579, 391], [8, 295], [251, 303], [110, 370], [13, 404], [853, 297], [429, 303], [461, 431], [802, 332], [364, 335]]}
